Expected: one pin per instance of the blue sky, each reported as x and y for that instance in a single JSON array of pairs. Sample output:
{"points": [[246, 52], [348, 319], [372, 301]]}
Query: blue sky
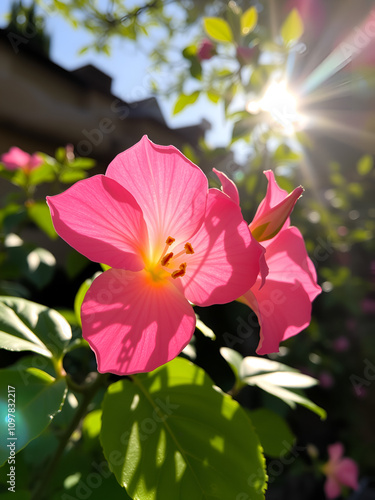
{"points": [[128, 65]]}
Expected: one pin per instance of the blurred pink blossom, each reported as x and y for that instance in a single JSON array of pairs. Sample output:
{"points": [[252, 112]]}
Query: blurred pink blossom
{"points": [[340, 471], [341, 344], [206, 50], [18, 159], [326, 380]]}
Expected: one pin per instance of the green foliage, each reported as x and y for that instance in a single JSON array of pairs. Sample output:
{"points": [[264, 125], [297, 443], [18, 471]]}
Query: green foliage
{"points": [[249, 20], [185, 100], [38, 397], [27, 326], [218, 29], [171, 433], [293, 28], [273, 431]]}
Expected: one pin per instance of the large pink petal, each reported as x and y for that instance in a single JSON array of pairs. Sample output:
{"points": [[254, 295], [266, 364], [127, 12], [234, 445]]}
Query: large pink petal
{"points": [[283, 304], [101, 220], [226, 259], [347, 473], [228, 186], [332, 488], [134, 325], [171, 190]]}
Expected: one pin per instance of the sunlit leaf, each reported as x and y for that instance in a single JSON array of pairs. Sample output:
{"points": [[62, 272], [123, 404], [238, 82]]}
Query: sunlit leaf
{"points": [[218, 29], [27, 326], [39, 213], [185, 100], [38, 397], [172, 434], [293, 28], [249, 20], [365, 165]]}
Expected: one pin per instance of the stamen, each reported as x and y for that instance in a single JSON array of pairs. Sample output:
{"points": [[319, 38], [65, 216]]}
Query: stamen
{"points": [[168, 242], [166, 259], [181, 272], [189, 248]]}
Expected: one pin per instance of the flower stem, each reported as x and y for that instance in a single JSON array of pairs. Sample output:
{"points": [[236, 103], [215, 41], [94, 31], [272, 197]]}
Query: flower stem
{"points": [[88, 395]]}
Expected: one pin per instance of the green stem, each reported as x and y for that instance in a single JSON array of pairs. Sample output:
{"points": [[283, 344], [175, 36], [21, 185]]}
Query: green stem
{"points": [[88, 395]]}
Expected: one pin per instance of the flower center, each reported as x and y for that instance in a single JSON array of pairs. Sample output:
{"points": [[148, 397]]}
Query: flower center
{"points": [[170, 263], [171, 260]]}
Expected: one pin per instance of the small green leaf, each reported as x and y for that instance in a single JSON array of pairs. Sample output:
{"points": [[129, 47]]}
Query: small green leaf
{"points": [[27, 326], [172, 434], [365, 165], [44, 173], [293, 28], [83, 163], [273, 431], [185, 100], [249, 20], [218, 29], [213, 96], [207, 332], [70, 175], [81, 295], [41, 267], [38, 397], [39, 213]]}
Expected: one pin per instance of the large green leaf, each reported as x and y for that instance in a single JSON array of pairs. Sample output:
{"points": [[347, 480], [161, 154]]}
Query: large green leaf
{"points": [[27, 326], [218, 29], [38, 397], [293, 28], [171, 434]]}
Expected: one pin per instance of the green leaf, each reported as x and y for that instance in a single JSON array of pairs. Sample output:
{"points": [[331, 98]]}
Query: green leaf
{"points": [[70, 175], [41, 267], [27, 326], [172, 434], [44, 173], [278, 379], [249, 20], [38, 397], [83, 163], [39, 213], [273, 431], [207, 332], [81, 295], [185, 100], [213, 96], [218, 29], [365, 165], [293, 28], [234, 360]]}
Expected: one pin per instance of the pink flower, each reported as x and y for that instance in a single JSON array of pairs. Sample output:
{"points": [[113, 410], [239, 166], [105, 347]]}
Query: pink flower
{"points": [[168, 239], [282, 298], [18, 159], [339, 471], [206, 50]]}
